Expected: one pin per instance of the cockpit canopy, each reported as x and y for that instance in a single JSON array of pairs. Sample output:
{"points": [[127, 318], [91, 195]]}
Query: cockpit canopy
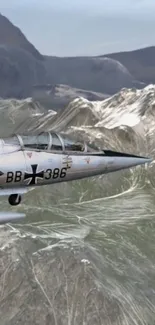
{"points": [[46, 141]]}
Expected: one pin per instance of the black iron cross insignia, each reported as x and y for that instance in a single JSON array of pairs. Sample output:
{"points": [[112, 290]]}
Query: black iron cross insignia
{"points": [[34, 175]]}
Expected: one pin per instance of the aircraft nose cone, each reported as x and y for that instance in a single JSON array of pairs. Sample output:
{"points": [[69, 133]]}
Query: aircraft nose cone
{"points": [[125, 160], [146, 160], [141, 160]]}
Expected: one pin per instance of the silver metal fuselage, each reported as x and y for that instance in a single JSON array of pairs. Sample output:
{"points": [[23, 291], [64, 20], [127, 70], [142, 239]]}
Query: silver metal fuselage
{"points": [[27, 161], [31, 168]]}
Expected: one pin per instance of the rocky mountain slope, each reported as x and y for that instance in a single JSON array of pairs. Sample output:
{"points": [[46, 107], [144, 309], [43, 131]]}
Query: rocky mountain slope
{"points": [[85, 253], [140, 63], [12, 36], [129, 108], [22, 67], [121, 119], [97, 74], [57, 96]]}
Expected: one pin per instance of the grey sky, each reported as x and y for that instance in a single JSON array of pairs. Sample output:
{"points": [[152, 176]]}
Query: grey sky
{"points": [[83, 27]]}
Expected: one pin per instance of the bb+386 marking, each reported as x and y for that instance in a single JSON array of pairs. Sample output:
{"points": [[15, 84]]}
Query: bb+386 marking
{"points": [[32, 177]]}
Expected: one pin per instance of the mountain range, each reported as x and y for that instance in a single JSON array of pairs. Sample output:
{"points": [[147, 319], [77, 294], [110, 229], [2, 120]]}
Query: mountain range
{"points": [[55, 81]]}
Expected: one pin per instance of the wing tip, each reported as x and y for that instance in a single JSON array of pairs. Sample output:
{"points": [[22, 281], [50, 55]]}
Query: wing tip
{"points": [[7, 217]]}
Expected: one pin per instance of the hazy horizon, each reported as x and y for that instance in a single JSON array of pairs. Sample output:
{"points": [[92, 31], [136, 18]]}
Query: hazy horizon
{"points": [[83, 27]]}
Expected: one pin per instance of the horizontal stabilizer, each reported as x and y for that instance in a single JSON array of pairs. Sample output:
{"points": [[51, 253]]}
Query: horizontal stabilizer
{"points": [[6, 217]]}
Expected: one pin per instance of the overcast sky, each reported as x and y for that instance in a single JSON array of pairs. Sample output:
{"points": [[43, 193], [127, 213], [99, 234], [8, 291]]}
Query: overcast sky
{"points": [[83, 27]]}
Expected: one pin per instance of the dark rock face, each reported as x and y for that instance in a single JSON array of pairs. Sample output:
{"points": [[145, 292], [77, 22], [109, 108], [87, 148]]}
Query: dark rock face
{"points": [[12, 36], [102, 75], [19, 71], [59, 96], [22, 67], [140, 63]]}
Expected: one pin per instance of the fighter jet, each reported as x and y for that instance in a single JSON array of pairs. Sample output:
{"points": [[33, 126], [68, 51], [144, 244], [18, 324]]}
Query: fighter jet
{"points": [[27, 161]]}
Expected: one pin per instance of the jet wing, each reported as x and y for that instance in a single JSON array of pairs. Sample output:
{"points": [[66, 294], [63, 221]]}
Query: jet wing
{"points": [[9, 191], [6, 217]]}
